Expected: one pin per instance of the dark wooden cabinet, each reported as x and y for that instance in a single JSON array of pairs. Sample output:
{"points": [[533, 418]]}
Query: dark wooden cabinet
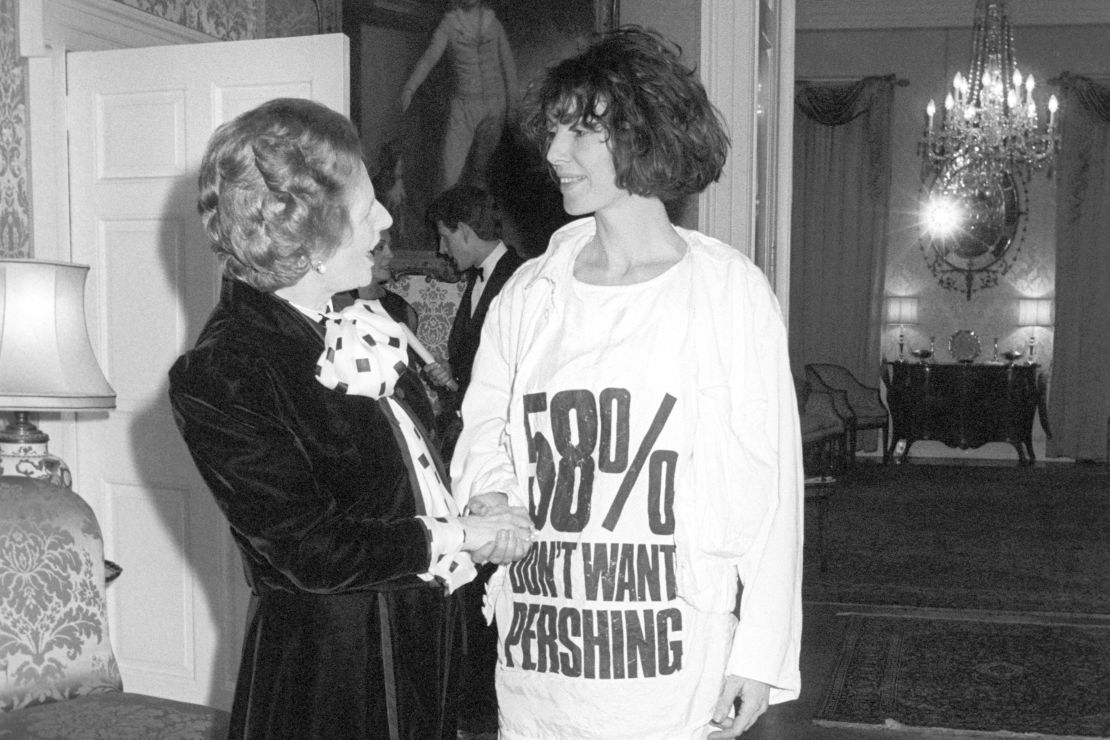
{"points": [[963, 405]]}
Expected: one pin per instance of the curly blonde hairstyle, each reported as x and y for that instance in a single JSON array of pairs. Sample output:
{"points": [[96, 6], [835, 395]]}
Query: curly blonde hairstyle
{"points": [[274, 188]]}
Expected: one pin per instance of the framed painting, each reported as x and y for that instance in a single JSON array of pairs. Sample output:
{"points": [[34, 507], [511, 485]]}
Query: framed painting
{"points": [[412, 139]]}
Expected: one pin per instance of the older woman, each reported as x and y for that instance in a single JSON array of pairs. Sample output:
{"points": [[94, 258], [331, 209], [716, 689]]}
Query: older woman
{"points": [[334, 500], [632, 389]]}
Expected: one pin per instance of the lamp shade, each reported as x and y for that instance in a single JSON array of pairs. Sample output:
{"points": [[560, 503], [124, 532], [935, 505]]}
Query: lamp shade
{"points": [[901, 309], [1035, 312], [46, 359]]}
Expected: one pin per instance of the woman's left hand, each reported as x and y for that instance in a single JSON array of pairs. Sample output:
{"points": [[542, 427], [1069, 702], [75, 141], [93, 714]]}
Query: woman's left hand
{"points": [[484, 504], [754, 696]]}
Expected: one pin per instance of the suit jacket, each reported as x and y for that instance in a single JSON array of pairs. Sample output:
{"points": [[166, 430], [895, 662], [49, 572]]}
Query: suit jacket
{"points": [[462, 344]]}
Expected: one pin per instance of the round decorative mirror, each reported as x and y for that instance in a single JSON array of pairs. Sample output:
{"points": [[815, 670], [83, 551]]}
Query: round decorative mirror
{"points": [[972, 224]]}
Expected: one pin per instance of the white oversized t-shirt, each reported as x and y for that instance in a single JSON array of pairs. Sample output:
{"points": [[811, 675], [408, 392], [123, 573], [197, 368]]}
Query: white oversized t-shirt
{"points": [[594, 642]]}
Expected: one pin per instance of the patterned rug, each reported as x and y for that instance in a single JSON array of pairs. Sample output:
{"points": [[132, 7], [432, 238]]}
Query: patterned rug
{"points": [[966, 537], [972, 676]]}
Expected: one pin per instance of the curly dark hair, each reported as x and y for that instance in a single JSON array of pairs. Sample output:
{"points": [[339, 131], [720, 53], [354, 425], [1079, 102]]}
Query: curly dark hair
{"points": [[469, 205], [273, 190], [667, 139]]}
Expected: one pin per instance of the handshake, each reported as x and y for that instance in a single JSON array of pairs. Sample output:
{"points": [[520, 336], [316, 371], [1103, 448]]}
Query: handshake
{"points": [[496, 532]]}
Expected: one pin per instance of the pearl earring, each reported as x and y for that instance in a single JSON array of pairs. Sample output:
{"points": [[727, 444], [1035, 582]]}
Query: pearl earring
{"points": [[320, 267]]}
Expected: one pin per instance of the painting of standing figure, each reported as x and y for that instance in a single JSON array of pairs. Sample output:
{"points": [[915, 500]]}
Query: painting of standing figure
{"points": [[484, 91], [436, 93]]}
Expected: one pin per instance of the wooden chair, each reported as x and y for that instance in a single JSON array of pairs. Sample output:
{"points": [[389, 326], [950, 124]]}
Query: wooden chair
{"points": [[824, 435], [824, 430], [58, 674], [818, 491], [864, 403]]}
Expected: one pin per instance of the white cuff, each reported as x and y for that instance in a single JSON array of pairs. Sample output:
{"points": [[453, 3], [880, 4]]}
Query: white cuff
{"points": [[448, 563]]}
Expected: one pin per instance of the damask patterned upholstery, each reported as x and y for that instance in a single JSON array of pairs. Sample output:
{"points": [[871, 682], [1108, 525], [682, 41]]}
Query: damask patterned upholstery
{"points": [[58, 675], [435, 302]]}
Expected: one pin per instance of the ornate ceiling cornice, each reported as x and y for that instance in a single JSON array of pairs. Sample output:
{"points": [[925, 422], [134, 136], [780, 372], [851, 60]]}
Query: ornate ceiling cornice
{"points": [[817, 15]]}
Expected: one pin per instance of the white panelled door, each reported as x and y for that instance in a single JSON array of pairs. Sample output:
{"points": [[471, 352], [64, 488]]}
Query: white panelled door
{"points": [[139, 120]]}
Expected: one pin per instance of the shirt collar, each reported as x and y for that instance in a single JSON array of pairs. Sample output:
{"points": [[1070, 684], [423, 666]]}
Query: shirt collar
{"points": [[486, 268]]}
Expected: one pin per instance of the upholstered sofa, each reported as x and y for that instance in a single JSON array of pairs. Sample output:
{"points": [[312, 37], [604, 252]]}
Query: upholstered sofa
{"points": [[58, 675], [436, 300]]}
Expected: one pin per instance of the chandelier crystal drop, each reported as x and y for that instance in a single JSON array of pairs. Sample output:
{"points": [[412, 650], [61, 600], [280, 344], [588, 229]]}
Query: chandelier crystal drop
{"points": [[990, 117]]}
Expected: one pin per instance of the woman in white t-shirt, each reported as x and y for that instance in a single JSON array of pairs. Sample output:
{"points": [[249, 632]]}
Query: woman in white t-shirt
{"points": [[632, 389]]}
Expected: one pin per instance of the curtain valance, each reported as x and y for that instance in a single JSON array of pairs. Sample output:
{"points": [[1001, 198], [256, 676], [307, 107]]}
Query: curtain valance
{"points": [[1093, 96], [835, 104]]}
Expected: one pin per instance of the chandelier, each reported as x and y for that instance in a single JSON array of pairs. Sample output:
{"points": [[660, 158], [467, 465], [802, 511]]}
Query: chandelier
{"points": [[990, 118]]}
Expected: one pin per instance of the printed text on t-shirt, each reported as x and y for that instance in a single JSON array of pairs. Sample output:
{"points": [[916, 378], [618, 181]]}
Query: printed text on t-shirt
{"points": [[590, 609], [588, 442]]}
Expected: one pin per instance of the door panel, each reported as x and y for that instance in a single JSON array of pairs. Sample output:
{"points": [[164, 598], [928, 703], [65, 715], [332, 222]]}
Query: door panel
{"points": [[138, 121]]}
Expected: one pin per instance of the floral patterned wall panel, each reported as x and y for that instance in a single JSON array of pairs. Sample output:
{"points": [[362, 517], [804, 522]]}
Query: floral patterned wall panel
{"points": [[229, 20], [233, 20], [15, 216], [299, 17]]}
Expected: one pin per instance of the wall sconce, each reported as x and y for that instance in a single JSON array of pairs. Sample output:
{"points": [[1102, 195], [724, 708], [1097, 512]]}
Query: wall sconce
{"points": [[46, 360], [901, 310], [1034, 312]]}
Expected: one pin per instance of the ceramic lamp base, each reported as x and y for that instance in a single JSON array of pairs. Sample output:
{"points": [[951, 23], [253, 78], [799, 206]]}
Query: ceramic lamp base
{"points": [[23, 452]]}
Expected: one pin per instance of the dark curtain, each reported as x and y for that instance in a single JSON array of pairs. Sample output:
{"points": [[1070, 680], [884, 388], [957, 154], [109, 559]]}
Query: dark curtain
{"points": [[839, 223], [1079, 398]]}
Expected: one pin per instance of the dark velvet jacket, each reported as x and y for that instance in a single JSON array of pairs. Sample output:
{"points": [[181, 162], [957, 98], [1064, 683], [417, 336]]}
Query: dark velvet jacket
{"points": [[342, 633]]}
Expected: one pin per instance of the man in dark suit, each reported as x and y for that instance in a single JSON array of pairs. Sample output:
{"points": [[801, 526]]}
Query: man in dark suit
{"points": [[469, 222]]}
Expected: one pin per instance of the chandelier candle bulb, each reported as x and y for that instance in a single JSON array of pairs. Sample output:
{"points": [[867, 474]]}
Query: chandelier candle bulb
{"points": [[996, 116], [977, 160]]}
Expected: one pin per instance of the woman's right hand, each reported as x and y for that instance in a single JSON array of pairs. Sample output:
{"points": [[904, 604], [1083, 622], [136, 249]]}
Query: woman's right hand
{"points": [[498, 537], [406, 100]]}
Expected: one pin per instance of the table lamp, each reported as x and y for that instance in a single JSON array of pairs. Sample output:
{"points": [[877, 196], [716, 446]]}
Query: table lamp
{"points": [[46, 361], [901, 310], [1034, 312]]}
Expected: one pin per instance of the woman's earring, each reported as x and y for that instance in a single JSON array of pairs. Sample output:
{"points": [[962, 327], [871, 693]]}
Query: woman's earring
{"points": [[319, 267]]}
